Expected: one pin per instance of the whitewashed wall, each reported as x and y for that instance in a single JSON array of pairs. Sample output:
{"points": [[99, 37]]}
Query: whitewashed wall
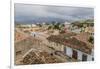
{"points": [[79, 55], [69, 51], [89, 58]]}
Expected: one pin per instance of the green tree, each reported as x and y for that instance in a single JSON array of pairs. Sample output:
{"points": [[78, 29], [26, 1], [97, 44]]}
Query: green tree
{"points": [[91, 39]]}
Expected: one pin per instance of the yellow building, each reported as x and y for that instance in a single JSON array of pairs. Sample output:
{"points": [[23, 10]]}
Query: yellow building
{"points": [[90, 30]]}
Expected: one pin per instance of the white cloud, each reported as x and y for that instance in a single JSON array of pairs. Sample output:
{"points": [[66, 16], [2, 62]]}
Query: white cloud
{"points": [[38, 11]]}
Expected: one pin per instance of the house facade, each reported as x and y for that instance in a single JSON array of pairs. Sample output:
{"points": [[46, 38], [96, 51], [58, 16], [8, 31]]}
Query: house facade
{"points": [[90, 30], [79, 51], [79, 55]]}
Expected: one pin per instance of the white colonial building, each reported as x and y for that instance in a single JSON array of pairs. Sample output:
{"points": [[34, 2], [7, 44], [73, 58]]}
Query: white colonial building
{"points": [[72, 47]]}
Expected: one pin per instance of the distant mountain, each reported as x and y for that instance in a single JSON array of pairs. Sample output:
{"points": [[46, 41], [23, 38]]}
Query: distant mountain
{"points": [[41, 20], [48, 20]]}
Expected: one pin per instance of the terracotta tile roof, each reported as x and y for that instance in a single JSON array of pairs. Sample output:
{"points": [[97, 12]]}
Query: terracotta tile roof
{"points": [[71, 42], [39, 58], [84, 37], [18, 36]]}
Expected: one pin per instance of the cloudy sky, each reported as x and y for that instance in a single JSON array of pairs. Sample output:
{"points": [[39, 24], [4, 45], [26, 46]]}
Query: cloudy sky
{"points": [[26, 13]]}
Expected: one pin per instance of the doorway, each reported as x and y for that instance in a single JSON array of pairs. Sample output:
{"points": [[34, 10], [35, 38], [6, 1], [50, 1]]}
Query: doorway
{"points": [[74, 54], [84, 57]]}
